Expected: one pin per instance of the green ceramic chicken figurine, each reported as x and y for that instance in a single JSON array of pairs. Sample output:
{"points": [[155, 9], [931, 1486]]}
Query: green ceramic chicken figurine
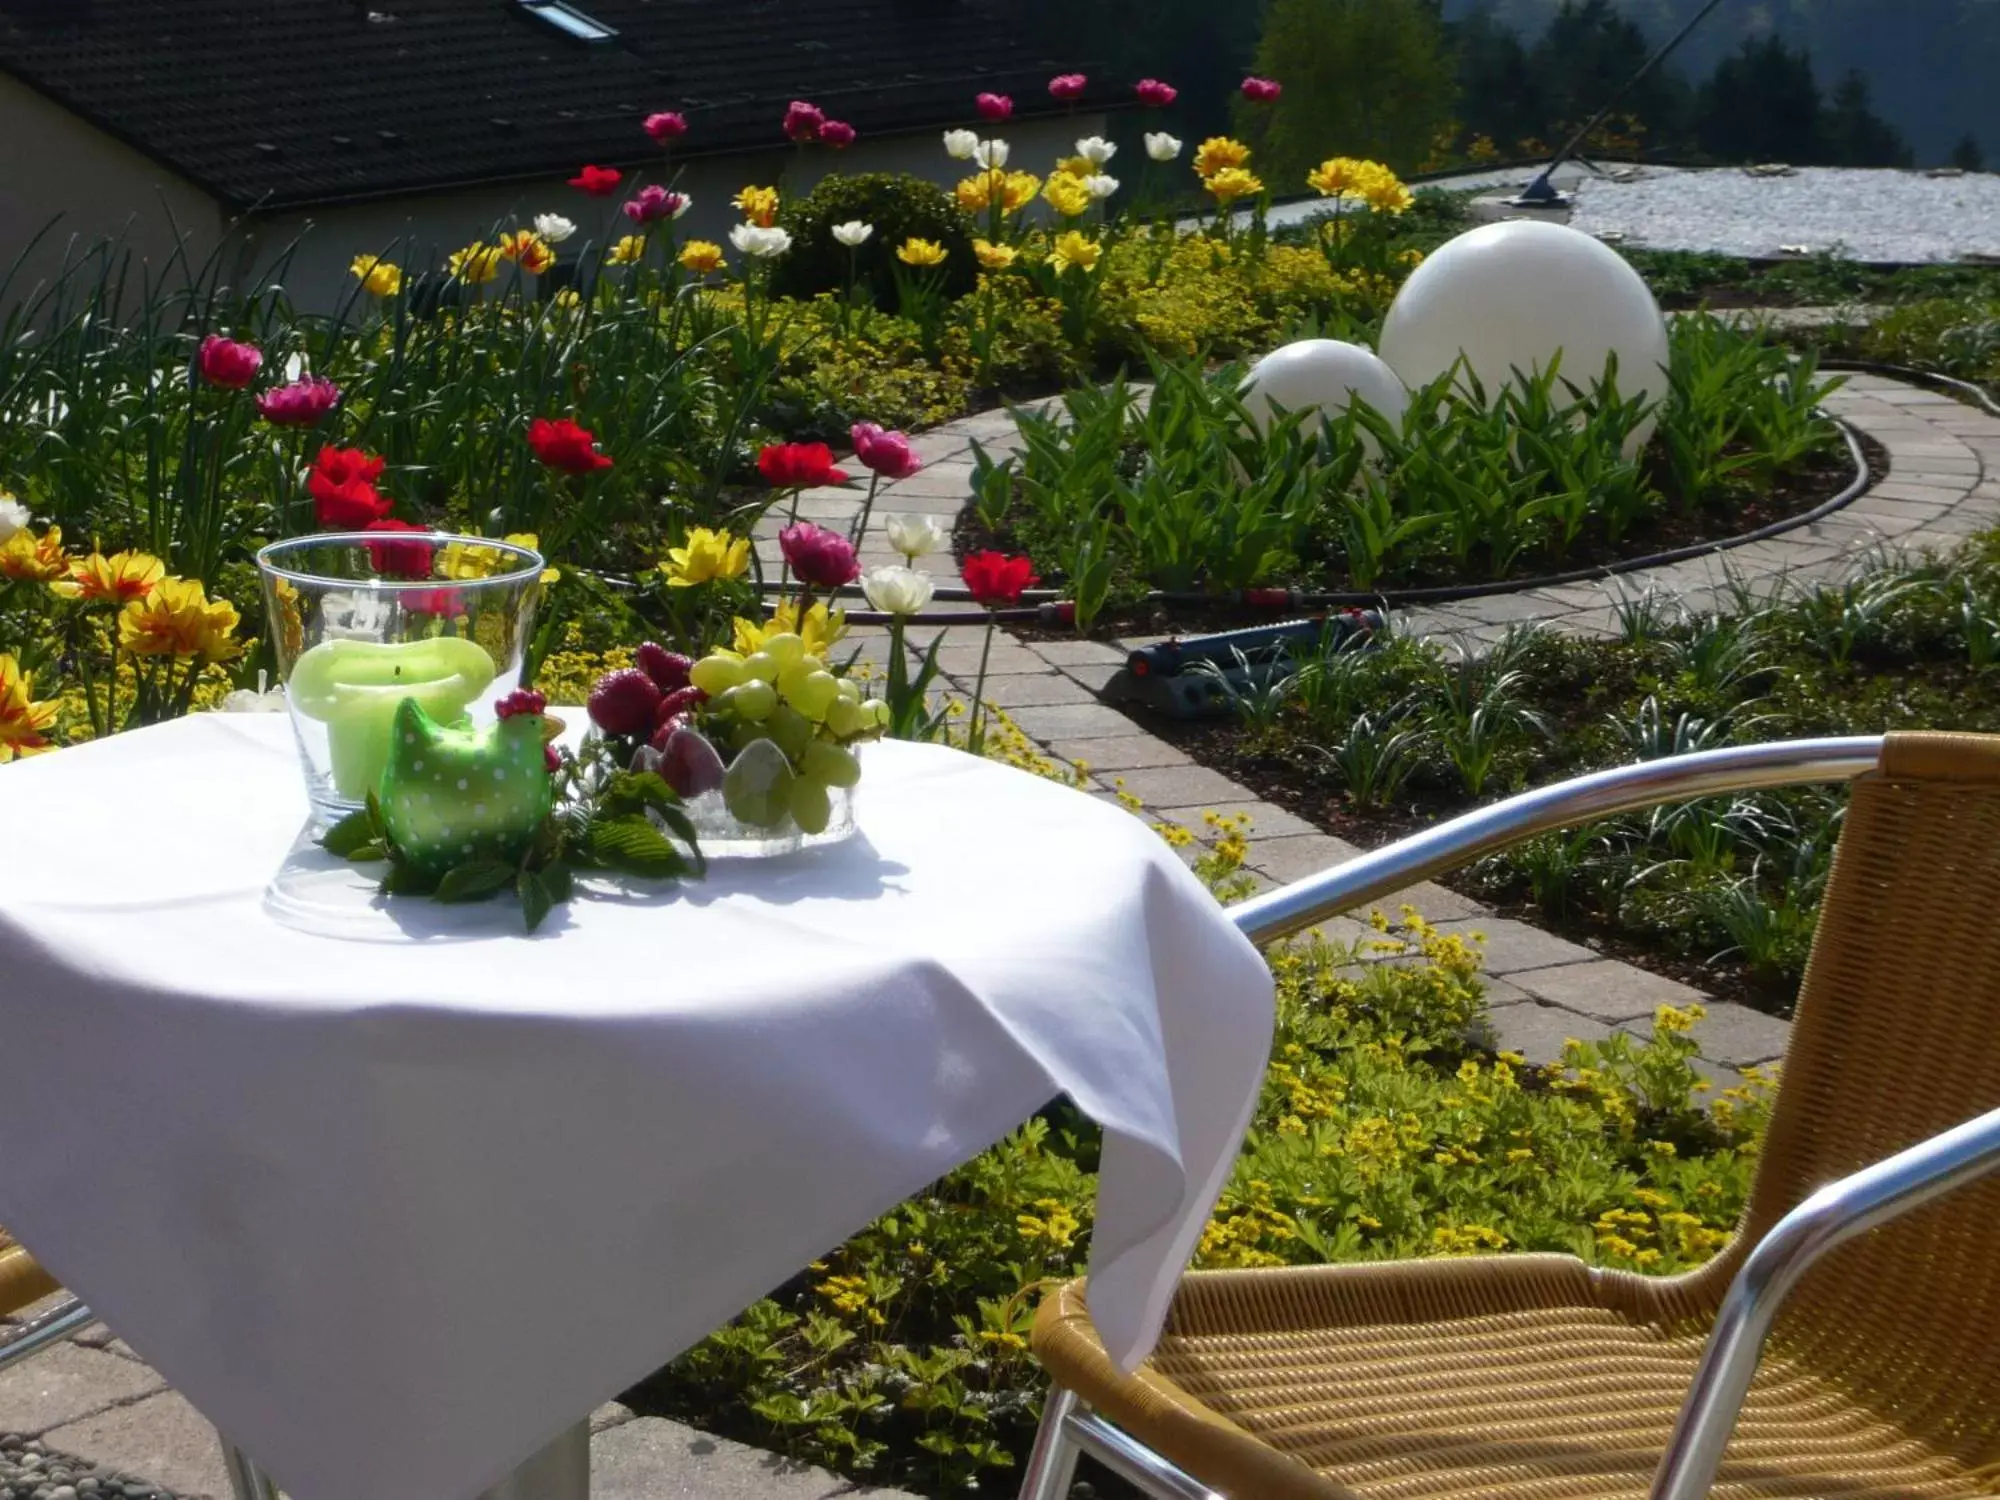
{"points": [[452, 792]]}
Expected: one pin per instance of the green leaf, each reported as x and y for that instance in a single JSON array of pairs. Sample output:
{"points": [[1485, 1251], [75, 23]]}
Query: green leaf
{"points": [[631, 844], [556, 877], [536, 898], [401, 880], [374, 849], [634, 791], [356, 831], [474, 880]]}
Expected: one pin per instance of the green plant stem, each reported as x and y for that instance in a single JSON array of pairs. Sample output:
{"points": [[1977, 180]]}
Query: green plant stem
{"points": [[860, 529], [975, 730]]}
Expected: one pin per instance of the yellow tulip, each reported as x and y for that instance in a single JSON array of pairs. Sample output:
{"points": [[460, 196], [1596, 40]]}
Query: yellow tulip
{"points": [[701, 256], [759, 205], [706, 556], [378, 277], [528, 250], [1074, 249], [628, 251], [1066, 194], [24, 723], [994, 257], [476, 264], [98, 579], [920, 252], [1232, 183], [1219, 152]]}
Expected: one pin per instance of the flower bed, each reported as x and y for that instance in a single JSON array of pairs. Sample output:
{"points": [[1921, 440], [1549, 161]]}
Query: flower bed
{"points": [[1723, 893]]}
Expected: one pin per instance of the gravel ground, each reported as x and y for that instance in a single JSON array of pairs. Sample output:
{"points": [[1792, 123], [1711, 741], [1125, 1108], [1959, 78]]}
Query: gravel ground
{"points": [[1864, 215], [28, 1471]]}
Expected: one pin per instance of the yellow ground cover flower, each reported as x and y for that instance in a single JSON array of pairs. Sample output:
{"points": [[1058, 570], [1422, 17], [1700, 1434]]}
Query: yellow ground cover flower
{"points": [[759, 205], [527, 250], [1232, 183], [37, 559], [476, 264], [701, 256], [706, 556], [1066, 194], [179, 619], [1218, 152], [24, 723], [628, 250], [921, 252], [994, 257], [98, 579], [378, 277], [1074, 249]]}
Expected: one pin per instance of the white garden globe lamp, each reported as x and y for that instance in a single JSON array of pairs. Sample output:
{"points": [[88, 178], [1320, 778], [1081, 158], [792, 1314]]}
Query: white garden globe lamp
{"points": [[1324, 374], [1510, 296]]}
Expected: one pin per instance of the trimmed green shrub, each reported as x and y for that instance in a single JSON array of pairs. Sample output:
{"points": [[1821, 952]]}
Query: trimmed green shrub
{"points": [[900, 207]]}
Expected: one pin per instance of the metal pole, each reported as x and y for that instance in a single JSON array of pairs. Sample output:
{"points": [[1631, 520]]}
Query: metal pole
{"points": [[1829, 1218], [1541, 192], [1052, 1462]]}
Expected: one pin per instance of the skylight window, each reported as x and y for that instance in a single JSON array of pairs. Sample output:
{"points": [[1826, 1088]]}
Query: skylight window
{"points": [[570, 21]]}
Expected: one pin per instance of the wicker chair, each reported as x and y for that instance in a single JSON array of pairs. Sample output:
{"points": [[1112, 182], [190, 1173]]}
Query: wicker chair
{"points": [[1537, 1377]]}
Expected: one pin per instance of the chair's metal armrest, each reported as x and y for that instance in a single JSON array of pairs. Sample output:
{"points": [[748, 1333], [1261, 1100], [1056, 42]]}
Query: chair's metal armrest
{"points": [[1602, 794], [1830, 1217], [58, 1323]]}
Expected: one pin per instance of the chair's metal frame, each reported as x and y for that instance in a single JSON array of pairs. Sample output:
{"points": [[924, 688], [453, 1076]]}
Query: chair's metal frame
{"points": [[1829, 1217]]}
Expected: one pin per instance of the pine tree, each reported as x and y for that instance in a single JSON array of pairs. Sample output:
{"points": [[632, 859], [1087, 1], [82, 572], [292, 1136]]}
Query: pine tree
{"points": [[1967, 156], [1855, 135], [1762, 105], [1361, 78]]}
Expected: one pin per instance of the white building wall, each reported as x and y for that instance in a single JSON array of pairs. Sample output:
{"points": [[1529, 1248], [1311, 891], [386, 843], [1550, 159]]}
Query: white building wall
{"points": [[53, 163]]}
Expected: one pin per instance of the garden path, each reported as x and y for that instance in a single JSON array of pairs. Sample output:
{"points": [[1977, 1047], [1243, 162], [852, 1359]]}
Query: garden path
{"points": [[95, 1400]]}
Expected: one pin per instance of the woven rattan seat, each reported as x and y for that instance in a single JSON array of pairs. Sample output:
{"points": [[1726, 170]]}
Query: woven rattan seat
{"points": [[1535, 1377]]}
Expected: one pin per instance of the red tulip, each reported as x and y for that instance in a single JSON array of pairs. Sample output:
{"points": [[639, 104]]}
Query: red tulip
{"points": [[666, 127], [803, 121], [655, 203], [226, 363], [299, 404], [1068, 86], [563, 445], [599, 182], [995, 578], [342, 484], [993, 106], [1261, 90], [837, 134], [798, 466], [405, 559], [824, 559], [1155, 94]]}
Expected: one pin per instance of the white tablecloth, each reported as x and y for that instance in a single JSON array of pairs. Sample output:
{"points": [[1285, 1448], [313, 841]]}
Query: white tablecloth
{"points": [[394, 1213]]}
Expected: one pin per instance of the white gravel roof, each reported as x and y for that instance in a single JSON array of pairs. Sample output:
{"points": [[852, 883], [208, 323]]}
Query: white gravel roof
{"points": [[1862, 214]]}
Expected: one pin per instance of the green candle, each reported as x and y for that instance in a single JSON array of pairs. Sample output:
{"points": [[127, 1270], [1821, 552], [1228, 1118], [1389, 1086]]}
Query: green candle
{"points": [[354, 687]]}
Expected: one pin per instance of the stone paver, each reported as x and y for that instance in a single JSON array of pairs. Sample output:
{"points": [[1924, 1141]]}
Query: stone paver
{"points": [[1606, 989], [66, 1383], [1512, 946], [161, 1437], [1538, 1032], [650, 1458]]}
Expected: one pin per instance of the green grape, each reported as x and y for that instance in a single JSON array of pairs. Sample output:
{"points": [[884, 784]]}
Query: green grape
{"points": [[845, 717], [811, 805], [752, 700], [761, 665], [790, 679], [791, 730], [878, 712], [785, 647], [831, 764], [850, 690], [816, 694], [716, 675]]}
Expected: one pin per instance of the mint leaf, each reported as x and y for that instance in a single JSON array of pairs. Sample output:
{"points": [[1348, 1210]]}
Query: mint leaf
{"points": [[354, 832], [536, 898], [632, 845], [474, 880]]}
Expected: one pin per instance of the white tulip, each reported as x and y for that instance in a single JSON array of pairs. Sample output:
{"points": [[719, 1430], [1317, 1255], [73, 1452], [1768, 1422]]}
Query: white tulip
{"points": [[853, 233], [753, 239], [13, 516], [1096, 150], [960, 144], [897, 590], [915, 536], [554, 228], [1100, 186], [991, 154], [1161, 146]]}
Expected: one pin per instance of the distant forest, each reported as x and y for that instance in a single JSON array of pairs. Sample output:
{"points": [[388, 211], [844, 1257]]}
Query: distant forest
{"points": [[1429, 84]]}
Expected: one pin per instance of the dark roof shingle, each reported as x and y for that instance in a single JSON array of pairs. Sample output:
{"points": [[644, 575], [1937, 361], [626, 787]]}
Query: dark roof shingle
{"points": [[283, 103]]}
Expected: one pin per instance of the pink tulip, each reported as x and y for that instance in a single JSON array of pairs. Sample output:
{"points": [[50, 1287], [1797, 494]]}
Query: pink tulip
{"points": [[1155, 94], [1068, 86], [887, 453], [803, 121], [226, 363], [666, 127], [837, 134], [299, 404], [994, 106], [1261, 90], [655, 203], [822, 559]]}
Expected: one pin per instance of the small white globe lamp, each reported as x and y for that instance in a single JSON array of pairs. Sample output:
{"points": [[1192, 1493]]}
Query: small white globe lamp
{"points": [[1510, 295], [1325, 374]]}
